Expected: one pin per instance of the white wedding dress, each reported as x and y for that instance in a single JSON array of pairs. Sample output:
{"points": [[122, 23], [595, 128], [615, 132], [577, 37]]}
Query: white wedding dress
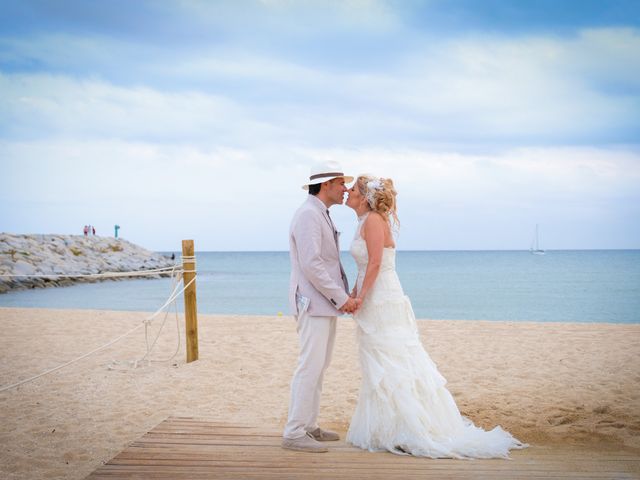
{"points": [[404, 406]]}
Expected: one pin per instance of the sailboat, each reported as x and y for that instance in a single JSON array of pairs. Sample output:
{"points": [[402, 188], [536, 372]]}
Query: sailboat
{"points": [[535, 246]]}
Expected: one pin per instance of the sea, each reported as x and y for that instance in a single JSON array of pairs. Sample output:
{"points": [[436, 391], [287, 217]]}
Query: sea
{"points": [[560, 286]]}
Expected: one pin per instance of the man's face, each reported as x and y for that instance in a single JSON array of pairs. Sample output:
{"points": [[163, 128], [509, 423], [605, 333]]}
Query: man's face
{"points": [[336, 190]]}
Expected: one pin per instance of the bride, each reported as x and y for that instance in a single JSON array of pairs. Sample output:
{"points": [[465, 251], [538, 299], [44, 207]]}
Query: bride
{"points": [[404, 406]]}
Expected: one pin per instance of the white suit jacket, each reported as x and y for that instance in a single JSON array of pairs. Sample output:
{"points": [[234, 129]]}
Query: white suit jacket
{"points": [[316, 272]]}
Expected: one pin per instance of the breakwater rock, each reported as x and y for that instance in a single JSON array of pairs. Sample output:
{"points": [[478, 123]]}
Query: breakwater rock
{"points": [[69, 255]]}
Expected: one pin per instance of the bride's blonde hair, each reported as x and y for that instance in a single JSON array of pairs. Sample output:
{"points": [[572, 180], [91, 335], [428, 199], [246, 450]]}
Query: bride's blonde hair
{"points": [[381, 196]]}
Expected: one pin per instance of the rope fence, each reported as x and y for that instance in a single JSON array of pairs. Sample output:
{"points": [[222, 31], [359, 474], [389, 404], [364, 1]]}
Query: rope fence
{"points": [[136, 273], [176, 274]]}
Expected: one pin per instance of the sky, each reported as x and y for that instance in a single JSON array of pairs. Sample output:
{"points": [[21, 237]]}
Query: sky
{"points": [[200, 120]]}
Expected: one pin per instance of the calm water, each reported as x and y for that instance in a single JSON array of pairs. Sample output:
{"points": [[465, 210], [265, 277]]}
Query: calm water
{"points": [[561, 286]]}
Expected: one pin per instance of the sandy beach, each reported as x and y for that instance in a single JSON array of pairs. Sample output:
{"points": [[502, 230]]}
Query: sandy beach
{"points": [[547, 383]]}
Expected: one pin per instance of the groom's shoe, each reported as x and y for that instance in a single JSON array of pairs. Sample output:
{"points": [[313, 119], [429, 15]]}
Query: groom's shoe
{"points": [[324, 435], [304, 444]]}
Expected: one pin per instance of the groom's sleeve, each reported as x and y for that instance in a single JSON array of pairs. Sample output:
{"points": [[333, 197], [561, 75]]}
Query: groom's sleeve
{"points": [[308, 235]]}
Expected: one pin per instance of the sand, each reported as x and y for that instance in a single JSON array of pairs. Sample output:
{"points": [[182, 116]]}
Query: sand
{"points": [[547, 383]]}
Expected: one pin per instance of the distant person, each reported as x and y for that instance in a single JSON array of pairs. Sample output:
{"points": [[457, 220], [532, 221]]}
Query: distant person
{"points": [[93, 230], [404, 406], [173, 256], [86, 230]]}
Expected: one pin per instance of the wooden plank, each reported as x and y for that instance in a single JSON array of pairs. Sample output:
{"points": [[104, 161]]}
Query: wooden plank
{"points": [[190, 448], [244, 459], [180, 472], [349, 453], [248, 456], [356, 468], [531, 453]]}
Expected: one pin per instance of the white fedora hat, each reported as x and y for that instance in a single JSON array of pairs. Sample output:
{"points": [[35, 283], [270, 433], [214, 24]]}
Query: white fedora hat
{"points": [[325, 171]]}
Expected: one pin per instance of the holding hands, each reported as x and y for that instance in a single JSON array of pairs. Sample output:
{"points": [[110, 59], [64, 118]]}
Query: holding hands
{"points": [[351, 306]]}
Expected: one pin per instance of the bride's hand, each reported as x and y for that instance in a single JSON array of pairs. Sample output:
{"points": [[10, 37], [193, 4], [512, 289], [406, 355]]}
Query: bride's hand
{"points": [[358, 301]]}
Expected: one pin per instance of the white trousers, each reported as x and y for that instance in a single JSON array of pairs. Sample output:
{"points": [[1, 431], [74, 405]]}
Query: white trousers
{"points": [[317, 336]]}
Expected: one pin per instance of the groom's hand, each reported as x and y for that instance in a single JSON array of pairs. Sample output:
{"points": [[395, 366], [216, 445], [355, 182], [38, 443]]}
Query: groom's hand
{"points": [[349, 306]]}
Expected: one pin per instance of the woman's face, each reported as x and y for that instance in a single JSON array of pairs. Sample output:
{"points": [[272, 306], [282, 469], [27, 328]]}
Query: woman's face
{"points": [[355, 199]]}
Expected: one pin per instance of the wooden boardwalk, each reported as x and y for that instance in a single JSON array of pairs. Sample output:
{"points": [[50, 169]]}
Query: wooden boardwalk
{"points": [[188, 448]]}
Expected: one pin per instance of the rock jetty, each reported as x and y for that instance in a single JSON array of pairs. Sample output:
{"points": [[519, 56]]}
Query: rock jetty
{"points": [[69, 255]]}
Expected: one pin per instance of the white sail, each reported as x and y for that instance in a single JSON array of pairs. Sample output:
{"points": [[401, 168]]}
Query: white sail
{"points": [[535, 245]]}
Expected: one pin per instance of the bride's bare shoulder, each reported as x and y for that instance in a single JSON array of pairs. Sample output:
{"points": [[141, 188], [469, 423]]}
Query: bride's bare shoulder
{"points": [[374, 223], [374, 218], [379, 227]]}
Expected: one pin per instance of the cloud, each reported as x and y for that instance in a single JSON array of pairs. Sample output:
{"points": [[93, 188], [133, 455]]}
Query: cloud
{"points": [[480, 90], [91, 167], [49, 106], [527, 90], [531, 171], [204, 120], [243, 198]]}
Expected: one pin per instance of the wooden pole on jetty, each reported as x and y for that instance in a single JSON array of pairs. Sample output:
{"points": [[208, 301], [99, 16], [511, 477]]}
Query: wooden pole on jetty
{"points": [[190, 305]]}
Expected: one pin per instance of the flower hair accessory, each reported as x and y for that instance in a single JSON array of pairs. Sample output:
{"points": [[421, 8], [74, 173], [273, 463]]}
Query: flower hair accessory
{"points": [[373, 186]]}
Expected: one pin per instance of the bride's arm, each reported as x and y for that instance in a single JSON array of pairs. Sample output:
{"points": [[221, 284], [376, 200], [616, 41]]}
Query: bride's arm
{"points": [[373, 229]]}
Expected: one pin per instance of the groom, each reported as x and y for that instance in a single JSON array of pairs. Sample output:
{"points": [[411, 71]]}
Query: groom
{"points": [[317, 295]]}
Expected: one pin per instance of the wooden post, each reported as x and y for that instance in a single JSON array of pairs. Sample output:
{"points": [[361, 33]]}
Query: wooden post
{"points": [[190, 305]]}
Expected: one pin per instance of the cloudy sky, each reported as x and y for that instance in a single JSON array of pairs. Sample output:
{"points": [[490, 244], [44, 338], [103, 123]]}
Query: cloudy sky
{"points": [[200, 119]]}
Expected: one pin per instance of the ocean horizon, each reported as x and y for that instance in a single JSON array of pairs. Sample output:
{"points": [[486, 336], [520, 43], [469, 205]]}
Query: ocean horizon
{"points": [[504, 285]]}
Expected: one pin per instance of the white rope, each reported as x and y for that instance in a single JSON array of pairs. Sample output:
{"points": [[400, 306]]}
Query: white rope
{"points": [[172, 297], [70, 362], [176, 281], [136, 273], [191, 261], [147, 320]]}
